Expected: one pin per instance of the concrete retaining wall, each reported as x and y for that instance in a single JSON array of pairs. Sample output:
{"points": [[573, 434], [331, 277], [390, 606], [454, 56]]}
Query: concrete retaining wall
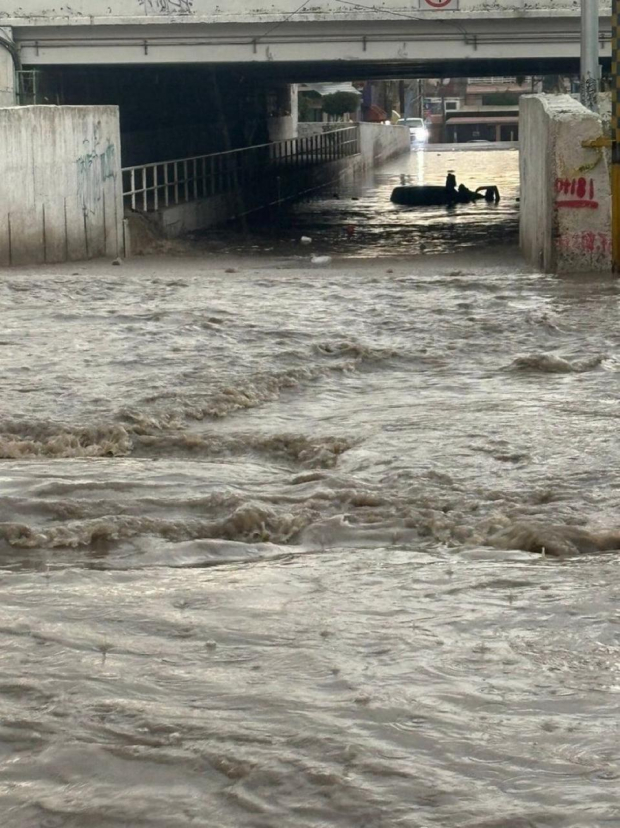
{"points": [[305, 129], [379, 142], [60, 184], [565, 188]]}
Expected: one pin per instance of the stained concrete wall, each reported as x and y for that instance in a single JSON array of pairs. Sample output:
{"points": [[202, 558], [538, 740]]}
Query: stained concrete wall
{"points": [[60, 184], [565, 188]]}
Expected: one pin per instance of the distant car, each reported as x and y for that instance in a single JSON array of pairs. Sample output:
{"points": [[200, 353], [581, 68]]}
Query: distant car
{"points": [[417, 129]]}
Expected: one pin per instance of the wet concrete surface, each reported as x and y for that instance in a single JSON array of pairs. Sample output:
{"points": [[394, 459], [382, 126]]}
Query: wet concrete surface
{"points": [[355, 218]]}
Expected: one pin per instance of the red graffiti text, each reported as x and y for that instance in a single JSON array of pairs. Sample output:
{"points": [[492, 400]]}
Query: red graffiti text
{"points": [[576, 193], [598, 244]]}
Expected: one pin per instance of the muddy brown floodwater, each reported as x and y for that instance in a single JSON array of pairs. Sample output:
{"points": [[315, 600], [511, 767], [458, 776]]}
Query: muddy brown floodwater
{"points": [[295, 547]]}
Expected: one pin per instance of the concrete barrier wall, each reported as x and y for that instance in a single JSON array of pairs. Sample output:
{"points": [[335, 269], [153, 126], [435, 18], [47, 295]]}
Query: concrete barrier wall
{"points": [[60, 184], [308, 128], [565, 188], [380, 142]]}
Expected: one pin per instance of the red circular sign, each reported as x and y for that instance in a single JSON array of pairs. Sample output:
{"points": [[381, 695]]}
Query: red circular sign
{"points": [[438, 4]]}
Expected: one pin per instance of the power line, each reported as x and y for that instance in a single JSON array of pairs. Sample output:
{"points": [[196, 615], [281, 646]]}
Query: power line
{"points": [[281, 22]]}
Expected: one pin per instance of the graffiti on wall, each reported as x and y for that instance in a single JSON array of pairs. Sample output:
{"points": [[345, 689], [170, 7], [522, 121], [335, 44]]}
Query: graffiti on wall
{"points": [[95, 166], [576, 193], [167, 6], [586, 242]]}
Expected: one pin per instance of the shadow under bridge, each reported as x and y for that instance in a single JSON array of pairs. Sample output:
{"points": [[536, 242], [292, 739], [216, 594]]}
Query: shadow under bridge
{"points": [[192, 193]]}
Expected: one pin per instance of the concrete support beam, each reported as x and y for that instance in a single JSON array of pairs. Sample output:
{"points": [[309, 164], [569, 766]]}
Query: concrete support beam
{"points": [[8, 79], [565, 187], [283, 123]]}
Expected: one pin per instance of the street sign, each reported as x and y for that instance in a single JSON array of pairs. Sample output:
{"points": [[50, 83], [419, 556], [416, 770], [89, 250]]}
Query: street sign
{"points": [[450, 5]]}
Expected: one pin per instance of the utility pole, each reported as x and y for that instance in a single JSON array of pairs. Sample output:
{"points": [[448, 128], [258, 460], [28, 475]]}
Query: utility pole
{"points": [[615, 135], [590, 72]]}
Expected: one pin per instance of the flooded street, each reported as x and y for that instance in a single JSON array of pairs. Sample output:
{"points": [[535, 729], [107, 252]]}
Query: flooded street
{"points": [[294, 547], [356, 218]]}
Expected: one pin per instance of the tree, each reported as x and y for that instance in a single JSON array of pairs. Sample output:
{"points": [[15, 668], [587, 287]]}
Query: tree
{"points": [[340, 103], [308, 104]]}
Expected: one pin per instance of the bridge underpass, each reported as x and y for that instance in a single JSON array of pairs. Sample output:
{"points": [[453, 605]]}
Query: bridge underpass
{"points": [[184, 134], [177, 70], [175, 66], [332, 39], [175, 111], [171, 112]]}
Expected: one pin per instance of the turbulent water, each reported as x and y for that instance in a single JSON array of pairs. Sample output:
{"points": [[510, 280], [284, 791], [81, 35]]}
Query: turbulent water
{"points": [[287, 547]]}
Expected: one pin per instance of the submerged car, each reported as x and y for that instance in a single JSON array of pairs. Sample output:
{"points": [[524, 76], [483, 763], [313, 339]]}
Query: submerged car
{"points": [[417, 129], [414, 196]]}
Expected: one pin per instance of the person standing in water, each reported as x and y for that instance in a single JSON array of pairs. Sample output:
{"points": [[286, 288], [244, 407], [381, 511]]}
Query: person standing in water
{"points": [[451, 190]]}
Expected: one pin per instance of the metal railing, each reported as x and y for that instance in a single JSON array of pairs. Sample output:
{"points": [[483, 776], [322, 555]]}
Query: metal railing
{"points": [[149, 187]]}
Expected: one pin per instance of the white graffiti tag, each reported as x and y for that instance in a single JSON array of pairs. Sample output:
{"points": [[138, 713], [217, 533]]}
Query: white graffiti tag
{"points": [[95, 166]]}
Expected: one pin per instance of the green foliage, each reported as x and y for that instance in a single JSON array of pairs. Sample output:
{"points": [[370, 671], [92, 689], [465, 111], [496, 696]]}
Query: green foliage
{"points": [[307, 105], [340, 103], [500, 99]]}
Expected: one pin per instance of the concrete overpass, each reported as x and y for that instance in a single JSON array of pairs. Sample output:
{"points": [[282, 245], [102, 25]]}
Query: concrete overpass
{"points": [[193, 79], [312, 40]]}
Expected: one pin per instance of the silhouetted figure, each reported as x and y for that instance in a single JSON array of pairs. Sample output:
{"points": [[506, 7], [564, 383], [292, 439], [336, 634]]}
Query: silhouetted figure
{"points": [[451, 182], [465, 195]]}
